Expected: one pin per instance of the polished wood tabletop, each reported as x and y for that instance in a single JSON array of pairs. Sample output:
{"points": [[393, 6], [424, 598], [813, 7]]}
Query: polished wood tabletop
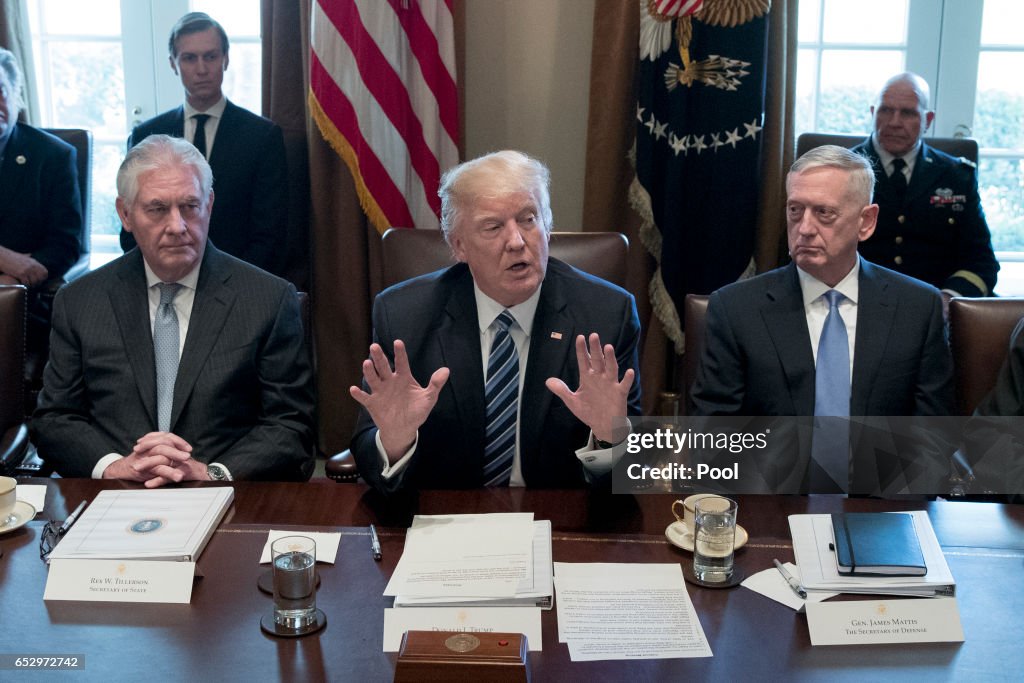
{"points": [[217, 636]]}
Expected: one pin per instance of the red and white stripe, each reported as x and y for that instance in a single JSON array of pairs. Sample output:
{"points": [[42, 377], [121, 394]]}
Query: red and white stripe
{"points": [[383, 92], [676, 8]]}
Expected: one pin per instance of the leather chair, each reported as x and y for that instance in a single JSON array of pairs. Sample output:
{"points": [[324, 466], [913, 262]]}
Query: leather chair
{"points": [[695, 309], [407, 253], [81, 140], [979, 337], [13, 430], [957, 147]]}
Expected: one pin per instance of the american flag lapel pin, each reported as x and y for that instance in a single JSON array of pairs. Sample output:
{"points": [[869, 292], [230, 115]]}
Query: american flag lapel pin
{"points": [[556, 335]]}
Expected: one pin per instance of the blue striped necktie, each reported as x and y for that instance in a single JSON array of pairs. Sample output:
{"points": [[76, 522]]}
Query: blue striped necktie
{"points": [[501, 393], [830, 445], [166, 342]]}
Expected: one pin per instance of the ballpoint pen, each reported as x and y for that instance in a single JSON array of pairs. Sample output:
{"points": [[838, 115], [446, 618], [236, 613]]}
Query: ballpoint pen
{"points": [[71, 519], [793, 583], [375, 543]]}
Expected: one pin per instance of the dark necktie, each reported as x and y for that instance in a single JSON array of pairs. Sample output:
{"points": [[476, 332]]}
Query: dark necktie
{"points": [[898, 179], [199, 139], [830, 445], [166, 343], [501, 394]]}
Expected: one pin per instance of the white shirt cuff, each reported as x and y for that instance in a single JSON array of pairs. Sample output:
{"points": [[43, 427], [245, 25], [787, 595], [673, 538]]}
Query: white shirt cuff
{"points": [[391, 471], [598, 462], [103, 463]]}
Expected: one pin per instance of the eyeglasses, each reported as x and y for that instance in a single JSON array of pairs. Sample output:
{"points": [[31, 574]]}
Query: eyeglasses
{"points": [[52, 534]]}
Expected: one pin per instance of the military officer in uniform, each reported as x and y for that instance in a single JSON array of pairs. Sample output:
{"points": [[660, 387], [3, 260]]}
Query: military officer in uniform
{"points": [[931, 225]]}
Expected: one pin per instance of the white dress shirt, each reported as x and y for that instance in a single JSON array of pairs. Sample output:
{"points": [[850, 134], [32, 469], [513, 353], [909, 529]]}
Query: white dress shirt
{"points": [[216, 113]]}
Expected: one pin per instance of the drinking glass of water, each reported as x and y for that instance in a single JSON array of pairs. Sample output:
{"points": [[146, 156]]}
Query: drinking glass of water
{"points": [[294, 567], [714, 535]]}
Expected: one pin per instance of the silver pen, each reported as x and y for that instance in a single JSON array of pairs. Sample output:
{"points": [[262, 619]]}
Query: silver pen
{"points": [[793, 583], [71, 518], [375, 543]]}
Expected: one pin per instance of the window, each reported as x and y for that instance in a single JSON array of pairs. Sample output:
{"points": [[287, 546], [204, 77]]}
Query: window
{"points": [[970, 52], [102, 65]]}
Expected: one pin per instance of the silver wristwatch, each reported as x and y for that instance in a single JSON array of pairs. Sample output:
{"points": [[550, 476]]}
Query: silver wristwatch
{"points": [[218, 472]]}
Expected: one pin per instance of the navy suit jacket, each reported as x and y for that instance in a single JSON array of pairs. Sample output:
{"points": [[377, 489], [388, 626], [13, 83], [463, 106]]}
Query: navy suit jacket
{"points": [[758, 359], [250, 182], [938, 233], [243, 394], [436, 316], [40, 201]]}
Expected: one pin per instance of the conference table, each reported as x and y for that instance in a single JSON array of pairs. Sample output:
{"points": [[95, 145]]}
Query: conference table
{"points": [[217, 636]]}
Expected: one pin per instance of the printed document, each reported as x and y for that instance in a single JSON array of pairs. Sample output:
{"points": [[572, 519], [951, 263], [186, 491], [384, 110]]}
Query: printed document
{"points": [[626, 611]]}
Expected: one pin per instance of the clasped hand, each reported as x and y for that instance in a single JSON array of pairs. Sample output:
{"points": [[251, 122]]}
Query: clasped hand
{"points": [[158, 458]]}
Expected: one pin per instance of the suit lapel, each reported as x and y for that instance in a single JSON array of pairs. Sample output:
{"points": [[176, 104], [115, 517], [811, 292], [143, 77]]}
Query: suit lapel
{"points": [[875, 310], [131, 308], [224, 143], [926, 171], [12, 173], [552, 345], [459, 341], [210, 310], [784, 318]]}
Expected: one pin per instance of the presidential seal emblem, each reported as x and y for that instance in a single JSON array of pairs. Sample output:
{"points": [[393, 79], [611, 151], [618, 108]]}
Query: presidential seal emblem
{"points": [[462, 642], [146, 526]]}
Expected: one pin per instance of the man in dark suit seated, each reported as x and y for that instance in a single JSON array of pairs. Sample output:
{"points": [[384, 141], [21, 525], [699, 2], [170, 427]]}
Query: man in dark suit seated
{"points": [[484, 352], [930, 223], [40, 204], [176, 361], [829, 335], [246, 151]]}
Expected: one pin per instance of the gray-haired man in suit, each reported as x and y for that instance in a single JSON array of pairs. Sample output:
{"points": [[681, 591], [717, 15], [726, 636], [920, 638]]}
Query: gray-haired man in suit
{"points": [[176, 361], [829, 335]]}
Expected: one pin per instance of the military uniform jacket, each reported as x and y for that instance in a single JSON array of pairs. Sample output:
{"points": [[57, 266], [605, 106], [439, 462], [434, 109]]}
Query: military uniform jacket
{"points": [[938, 233]]}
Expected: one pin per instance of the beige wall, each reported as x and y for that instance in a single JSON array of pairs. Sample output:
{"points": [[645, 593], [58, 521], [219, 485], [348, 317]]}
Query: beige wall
{"points": [[527, 86]]}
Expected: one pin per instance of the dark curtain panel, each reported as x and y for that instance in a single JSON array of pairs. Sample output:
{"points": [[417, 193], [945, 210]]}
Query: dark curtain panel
{"points": [[329, 235], [609, 171]]}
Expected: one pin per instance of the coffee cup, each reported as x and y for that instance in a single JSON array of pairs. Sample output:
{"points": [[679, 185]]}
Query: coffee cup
{"points": [[8, 496], [689, 505]]}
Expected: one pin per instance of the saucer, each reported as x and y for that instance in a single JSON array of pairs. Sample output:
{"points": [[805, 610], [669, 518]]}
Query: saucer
{"points": [[681, 537], [23, 513]]}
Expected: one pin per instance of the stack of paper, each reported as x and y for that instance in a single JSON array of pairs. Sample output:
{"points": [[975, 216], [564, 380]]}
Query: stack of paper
{"points": [[627, 611], [162, 524], [489, 560], [813, 544]]}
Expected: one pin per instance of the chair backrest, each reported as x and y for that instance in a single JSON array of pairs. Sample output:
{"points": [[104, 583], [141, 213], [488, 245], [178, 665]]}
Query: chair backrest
{"points": [[407, 253], [695, 310], [12, 355], [81, 140], [979, 331], [957, 147]]}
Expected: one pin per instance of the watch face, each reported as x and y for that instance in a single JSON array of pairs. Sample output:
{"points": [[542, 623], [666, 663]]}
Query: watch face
{"points": [[216, 472]]}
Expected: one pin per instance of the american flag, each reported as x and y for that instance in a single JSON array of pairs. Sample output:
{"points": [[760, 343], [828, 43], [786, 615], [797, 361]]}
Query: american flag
{"points": [[383, 94]]}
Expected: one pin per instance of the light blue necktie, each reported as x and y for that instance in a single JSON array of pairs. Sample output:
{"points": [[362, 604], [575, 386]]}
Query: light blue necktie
{"points": [[165, 349], [830, 447], [501, 393]]}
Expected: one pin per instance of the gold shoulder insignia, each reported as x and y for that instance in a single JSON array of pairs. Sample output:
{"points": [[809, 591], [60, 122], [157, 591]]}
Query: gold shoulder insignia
{"points": [[967, 162]]}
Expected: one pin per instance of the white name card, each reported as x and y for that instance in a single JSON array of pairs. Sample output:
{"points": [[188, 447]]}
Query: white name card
{"points": [[120, 581], [863, 622]]}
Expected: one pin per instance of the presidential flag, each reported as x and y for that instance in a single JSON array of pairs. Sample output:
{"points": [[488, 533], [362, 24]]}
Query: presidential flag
{"points": [[699, 113], [383, 94]]}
